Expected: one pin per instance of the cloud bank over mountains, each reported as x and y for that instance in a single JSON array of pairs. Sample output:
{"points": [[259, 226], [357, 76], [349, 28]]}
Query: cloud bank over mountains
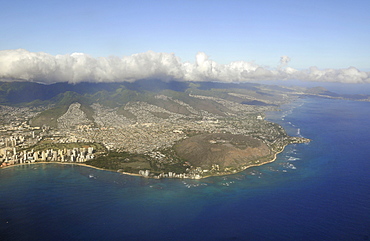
{"points": [[41, 67]]}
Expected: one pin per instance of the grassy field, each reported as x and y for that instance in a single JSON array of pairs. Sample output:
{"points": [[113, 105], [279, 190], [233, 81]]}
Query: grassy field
{"points": [[122, 161]]}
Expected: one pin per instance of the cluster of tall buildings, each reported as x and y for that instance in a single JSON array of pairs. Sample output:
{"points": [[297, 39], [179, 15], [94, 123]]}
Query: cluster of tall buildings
{"points": [[13, 140], [10, 156]]}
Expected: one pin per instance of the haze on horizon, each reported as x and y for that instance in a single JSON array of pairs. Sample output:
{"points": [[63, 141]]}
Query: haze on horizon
{"points": [[228, 41]]}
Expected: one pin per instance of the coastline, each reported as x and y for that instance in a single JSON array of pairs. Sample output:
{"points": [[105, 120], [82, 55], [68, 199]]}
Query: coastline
{"points": [[250, 166], [138, 175], [71, 163]]}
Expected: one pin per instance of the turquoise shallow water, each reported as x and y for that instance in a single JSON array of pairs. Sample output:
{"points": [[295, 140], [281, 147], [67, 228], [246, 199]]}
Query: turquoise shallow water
{"points": [[315, 191]]}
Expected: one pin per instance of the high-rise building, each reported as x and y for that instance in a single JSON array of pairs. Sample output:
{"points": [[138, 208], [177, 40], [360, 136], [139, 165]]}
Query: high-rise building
{"points": [[43, 156]]}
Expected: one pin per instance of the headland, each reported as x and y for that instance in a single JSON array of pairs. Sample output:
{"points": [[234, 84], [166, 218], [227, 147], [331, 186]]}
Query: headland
{"points": [[182, 130]]}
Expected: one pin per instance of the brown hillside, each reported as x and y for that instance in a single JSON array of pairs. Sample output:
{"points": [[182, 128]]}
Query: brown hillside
{"points": [[225, 150]]}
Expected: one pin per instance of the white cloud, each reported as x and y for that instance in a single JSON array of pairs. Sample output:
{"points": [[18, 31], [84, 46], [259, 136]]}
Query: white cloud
{"points": [[21, 64], [349, 75], [284, 60]]}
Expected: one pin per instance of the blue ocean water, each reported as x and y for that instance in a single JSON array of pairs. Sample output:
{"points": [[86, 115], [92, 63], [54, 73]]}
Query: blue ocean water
{"points": [[315, 191]]}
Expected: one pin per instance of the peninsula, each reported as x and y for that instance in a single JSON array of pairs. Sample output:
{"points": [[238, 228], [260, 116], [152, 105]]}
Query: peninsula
{"points": [[151, 128]]}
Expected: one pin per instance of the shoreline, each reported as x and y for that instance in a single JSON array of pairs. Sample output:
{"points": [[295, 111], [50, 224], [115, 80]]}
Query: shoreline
{"points": [[138, 175], [72, 163], [250, 166]]}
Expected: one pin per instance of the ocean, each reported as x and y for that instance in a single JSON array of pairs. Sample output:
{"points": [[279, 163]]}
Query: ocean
{"points": [[314, 191]]}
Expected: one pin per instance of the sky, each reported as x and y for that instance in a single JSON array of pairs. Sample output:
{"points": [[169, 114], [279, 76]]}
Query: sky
{"points": [[230, 40]]}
